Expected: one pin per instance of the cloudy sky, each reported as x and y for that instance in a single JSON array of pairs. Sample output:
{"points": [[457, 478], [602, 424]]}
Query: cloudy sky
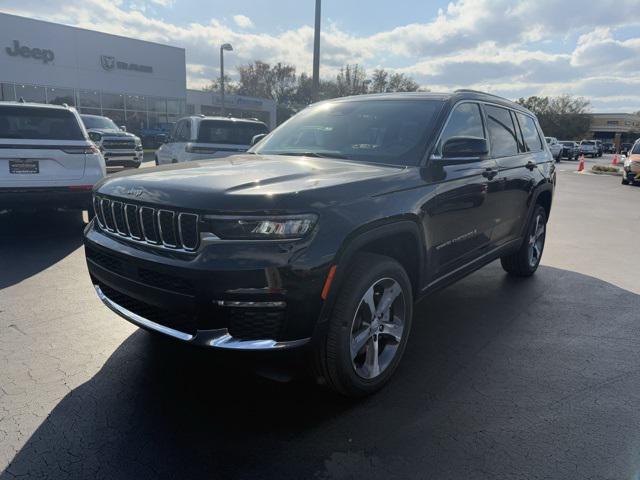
{"points": [[509, 47]]}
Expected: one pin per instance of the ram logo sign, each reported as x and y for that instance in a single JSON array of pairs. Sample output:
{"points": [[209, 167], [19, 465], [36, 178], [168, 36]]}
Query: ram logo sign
{"points": [[109, 63]]}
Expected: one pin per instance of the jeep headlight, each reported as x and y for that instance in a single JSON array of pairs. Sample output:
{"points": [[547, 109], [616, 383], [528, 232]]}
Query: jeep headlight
{"points": [[287, 227], [96, 137]]}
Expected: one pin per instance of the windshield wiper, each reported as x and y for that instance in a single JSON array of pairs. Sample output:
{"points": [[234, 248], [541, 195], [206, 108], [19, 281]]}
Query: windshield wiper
{"points": [[312, 154]]}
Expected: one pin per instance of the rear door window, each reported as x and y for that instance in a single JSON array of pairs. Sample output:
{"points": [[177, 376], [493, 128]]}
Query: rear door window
{"points": [[229, 133], [502, 131], [32, 123], [531, 137], [465, 121]]}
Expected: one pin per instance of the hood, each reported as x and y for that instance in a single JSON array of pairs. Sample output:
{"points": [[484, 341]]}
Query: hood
{"points": [[254, 183], [109, 132]]}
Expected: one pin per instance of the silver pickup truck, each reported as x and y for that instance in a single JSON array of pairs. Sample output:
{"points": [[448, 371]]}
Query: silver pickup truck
{"points": [[555, 146], [119, 148]]}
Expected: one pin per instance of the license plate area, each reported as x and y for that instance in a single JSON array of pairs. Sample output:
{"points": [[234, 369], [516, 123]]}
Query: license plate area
{"points": [[24, 167]]}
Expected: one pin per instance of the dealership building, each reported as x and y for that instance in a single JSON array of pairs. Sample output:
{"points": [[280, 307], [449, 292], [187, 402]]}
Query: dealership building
{"points": [[136, 83]]}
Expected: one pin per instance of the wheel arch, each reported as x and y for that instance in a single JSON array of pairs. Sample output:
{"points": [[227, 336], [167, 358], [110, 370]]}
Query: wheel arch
{"points": [[400, 239]]}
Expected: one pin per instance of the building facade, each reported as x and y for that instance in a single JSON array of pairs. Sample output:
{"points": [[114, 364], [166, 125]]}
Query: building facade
{"points": [[138, 84], [210, 103], [616, 128]]}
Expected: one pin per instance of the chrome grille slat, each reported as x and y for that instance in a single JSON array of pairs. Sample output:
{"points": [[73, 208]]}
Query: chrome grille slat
{"points": [[168, 233], [132, 220], [118, 218], [158, 227], [109, 223]]}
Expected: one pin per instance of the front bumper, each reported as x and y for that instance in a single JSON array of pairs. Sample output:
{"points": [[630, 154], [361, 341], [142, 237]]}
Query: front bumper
{"points": [[225, 296], [218, 338], [123, 158]]}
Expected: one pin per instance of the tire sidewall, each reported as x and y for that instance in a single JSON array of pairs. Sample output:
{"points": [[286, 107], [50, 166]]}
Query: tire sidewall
{"points": [[349, 298]]}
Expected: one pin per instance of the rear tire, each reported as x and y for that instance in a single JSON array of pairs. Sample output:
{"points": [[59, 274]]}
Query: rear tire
{"points": [[526, 260], [368, 329]]}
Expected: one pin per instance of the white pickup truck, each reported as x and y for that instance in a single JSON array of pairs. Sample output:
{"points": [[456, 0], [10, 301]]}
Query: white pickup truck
{"points": [[555, 146]]}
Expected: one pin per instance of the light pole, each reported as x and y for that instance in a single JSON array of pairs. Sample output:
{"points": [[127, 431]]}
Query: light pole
{"points": [[228, 48], [316, 53]]}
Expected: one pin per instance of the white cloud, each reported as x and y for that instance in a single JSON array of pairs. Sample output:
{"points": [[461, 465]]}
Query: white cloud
{"points": [[511, 47], [243, 21]]}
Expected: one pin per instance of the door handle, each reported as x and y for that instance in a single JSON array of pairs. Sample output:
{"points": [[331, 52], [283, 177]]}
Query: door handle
{"points": [[489, 173], [531, 165]]}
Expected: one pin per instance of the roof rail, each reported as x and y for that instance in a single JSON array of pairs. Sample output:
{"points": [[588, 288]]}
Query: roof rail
{"points": [[470, 90]]}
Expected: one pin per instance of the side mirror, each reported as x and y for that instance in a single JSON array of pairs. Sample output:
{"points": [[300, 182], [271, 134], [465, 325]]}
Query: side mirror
{"points": [[465, 147], [257, 138], [123, 128]]}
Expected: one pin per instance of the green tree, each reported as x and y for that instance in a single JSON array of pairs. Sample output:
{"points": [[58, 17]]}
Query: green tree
{"points": [[230, 86], [352, 80], [564, 117]]}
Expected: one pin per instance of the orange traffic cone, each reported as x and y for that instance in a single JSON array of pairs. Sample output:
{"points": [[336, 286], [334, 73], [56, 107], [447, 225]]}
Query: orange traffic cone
{"points": [[615, 160], [581, 164]]}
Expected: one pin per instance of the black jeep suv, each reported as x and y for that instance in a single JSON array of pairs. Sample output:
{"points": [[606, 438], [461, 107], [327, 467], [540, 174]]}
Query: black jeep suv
{"points": [[327, 231]]}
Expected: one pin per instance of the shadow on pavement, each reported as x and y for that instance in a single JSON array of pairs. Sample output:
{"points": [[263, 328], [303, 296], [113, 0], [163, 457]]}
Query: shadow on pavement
{"points": [[503, 378], [31, 241]]}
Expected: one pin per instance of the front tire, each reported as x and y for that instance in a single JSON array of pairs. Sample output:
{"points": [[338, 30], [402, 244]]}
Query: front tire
{"points": [[526, 260], [368, 329], [625, 181]]}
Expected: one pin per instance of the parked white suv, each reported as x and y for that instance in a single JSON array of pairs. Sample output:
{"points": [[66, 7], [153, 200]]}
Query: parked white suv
{"points": [[199, 137], [555, 146], [46, 157]]}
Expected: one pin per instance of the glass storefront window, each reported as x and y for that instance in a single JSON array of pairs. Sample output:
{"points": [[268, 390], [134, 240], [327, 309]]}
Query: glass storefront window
{"points": [[136, 121], [7, 92], [89, 98], [172, 106], [30, 93], [157, 104], [116, 115], [112, 101], [136, 102], [58, 96]]}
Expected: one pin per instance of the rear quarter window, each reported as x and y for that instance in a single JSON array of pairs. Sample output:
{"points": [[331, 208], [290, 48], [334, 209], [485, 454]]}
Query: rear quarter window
{"points": [[30, 123], [229, 133], [530, 134]]}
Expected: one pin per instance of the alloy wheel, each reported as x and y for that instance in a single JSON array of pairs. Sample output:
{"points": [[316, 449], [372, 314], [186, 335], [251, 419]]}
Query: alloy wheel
{"points": [[377, 328], [536, 241]]}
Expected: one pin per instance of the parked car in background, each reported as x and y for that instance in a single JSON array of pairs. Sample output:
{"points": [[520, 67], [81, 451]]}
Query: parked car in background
{"points": [[588, 148], [555, 146], [46, 158], [625, 147], [119, 148], [327, 231], [156, 136], [198, 138], [599, 148], [631, 166], [569, 149], [608, 147]]}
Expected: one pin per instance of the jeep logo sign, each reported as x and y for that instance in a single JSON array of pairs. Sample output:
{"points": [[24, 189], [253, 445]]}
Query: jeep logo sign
{"points": [[42, 54]]}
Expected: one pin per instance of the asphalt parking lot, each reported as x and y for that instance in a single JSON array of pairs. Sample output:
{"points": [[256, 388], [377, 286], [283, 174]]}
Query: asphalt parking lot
{"points": [[502, 378]]}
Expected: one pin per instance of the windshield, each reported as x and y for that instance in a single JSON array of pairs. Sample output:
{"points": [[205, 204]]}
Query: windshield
{"points": [[39, 124], [102, 123], [636, 149], [379, 131], [567, 144], [586, 143], [229, 133]]}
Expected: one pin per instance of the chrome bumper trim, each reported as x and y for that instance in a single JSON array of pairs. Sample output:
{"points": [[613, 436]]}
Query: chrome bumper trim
{"points": [[219, 338], [234, 304]]}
